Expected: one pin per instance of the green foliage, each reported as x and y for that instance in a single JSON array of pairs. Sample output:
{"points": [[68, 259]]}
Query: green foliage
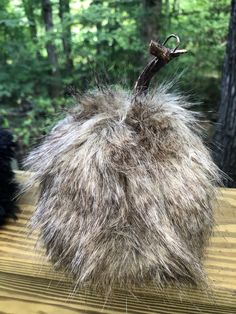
{"points": [[107, 45], [36, 121], [107, 42], [202, 26]]}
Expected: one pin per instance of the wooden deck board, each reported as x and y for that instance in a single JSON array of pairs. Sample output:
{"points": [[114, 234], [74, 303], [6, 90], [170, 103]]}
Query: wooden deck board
{"points": [[28, 284]]}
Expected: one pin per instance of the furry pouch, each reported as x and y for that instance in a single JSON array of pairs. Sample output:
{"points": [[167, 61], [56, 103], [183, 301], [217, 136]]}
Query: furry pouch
{"points": [[126, 190]]}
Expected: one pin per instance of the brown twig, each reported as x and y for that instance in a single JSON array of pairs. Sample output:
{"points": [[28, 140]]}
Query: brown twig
{"points": [[162, 55]]}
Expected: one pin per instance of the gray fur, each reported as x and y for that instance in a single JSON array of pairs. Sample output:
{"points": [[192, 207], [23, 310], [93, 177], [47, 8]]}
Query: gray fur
{"points": [[126, 191]]}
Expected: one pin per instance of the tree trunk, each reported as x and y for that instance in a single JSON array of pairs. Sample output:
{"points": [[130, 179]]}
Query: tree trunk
{"points": [[151, 21], [29, 12], [225, 135], [64, 9], [54, 89]]}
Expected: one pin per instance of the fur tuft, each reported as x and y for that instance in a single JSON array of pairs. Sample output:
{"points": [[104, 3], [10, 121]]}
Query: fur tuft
{"points": [[126, 191]]}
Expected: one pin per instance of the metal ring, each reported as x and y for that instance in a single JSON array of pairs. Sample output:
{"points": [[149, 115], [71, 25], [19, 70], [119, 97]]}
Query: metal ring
{"points": [[177, 41]]}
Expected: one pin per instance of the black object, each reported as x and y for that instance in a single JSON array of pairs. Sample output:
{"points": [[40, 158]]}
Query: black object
{"points": [[8, 187]]}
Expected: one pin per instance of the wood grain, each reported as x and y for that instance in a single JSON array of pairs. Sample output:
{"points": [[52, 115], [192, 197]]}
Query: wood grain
{"points": [[29, 285]]}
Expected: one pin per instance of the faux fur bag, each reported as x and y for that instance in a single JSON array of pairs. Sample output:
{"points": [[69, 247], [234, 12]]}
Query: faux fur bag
{"points": [[126, 190]]}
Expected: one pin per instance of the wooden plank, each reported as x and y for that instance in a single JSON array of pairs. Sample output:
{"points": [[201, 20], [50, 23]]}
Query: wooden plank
{"points": [[28, 284]]}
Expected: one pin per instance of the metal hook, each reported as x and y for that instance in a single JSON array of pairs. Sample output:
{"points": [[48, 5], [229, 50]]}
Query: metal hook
{"points": [[177, 41]]}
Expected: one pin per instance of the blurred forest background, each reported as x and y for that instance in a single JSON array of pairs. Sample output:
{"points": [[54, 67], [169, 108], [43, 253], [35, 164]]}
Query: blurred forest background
{"points": [[52, 47]]}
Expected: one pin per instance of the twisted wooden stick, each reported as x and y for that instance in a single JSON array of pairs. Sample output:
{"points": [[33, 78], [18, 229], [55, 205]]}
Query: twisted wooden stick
{"points": [[163, 55]]}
